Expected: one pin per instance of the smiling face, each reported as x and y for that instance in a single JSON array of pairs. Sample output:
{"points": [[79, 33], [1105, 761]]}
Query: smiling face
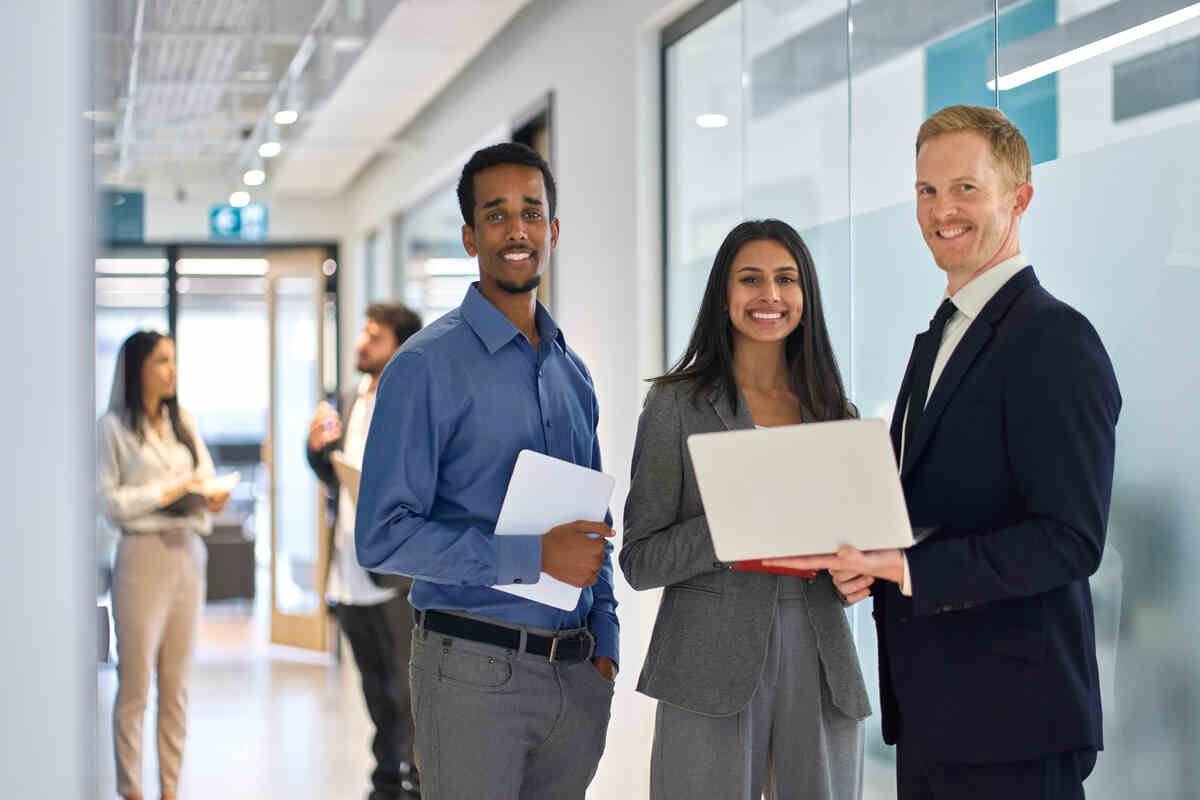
{"points": [[765, 299], [968, 209], [158, 374], [512, 234]]}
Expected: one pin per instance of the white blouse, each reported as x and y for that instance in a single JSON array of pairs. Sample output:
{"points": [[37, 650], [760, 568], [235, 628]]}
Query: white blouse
{"points": [[134, 472]]}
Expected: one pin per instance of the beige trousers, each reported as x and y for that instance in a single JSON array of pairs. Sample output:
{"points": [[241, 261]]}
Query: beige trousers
{"points": [[158, 591]]}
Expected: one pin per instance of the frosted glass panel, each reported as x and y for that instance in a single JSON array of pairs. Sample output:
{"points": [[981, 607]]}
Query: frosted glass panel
{"points": [[825, 140], [704, 162], [296, 394], [1118, 230]]}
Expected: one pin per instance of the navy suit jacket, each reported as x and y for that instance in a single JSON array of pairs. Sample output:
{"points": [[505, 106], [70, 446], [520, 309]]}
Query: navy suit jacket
{"points": [[993, 658]]}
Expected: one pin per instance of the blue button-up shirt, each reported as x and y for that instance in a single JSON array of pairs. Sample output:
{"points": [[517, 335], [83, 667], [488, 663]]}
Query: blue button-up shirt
{"points": [[453, 409]]}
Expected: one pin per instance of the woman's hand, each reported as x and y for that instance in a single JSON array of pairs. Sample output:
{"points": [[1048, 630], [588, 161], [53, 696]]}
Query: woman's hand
{"points": [[216, 501], [179, 489]]}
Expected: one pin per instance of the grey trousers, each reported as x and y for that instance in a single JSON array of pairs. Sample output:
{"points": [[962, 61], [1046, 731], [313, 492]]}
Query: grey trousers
{"points": [[494, 724], [158, 591], [790, 742]]}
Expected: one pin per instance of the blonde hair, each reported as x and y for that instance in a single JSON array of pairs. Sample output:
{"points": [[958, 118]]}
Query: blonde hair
{"points": [[1008, 146]]}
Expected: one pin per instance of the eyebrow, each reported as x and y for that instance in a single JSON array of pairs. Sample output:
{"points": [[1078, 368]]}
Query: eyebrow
{"points": [[786, 268], [500, 200], [960, 178]]}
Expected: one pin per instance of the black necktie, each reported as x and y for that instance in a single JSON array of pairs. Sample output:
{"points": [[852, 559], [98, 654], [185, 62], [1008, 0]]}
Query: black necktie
{"points": [[918, 391]]}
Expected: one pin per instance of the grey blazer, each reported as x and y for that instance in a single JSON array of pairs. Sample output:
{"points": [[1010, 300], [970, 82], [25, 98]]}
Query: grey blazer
{"points": [[710, 639]]}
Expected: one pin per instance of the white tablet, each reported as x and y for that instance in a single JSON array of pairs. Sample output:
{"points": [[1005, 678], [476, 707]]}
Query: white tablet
{"points": [[800, 489]]}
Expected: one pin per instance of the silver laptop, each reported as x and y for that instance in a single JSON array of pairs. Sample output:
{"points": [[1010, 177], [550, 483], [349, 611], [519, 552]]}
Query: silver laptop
{"points": [[800, 489]]}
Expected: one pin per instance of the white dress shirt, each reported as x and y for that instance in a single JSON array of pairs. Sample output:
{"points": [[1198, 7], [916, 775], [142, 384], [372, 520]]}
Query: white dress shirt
{"points": [[968, 303], [135, 471], [349, 583]]}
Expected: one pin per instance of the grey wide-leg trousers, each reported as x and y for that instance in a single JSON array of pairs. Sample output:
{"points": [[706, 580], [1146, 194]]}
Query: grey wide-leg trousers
{"points": [[158, 591], [791, 742]]}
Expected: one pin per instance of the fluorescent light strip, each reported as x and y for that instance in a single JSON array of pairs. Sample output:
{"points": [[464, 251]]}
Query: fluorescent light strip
{"points": [[1098, 47], [222, 266], [132, 266]]}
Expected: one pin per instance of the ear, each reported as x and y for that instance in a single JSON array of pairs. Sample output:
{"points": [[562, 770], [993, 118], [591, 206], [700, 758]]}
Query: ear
{"points": [[468, 236], [554, 233], [1022, 197]]}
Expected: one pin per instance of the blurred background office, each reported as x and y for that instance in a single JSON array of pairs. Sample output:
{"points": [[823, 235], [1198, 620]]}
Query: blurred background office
{"points": [[247, 175]]}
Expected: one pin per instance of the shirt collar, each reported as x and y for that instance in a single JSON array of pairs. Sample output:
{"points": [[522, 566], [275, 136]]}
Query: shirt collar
{"points": [[364, 383], [971, 298], [495, 330]]}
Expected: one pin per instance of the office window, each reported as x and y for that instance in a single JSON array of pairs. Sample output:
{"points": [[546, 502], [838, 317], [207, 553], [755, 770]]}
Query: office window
{"points": [[808, 111], [437, 270]]}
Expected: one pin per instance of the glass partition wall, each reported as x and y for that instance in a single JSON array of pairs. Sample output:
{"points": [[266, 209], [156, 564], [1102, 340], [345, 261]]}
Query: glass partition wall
{"points": [[807, 110]]}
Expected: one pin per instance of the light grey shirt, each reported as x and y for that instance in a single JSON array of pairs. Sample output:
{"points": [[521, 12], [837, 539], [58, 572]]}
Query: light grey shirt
{"points": [[135, 471]]}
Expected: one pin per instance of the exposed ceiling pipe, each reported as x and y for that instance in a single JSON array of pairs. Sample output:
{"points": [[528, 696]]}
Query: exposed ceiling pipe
{"points": [[127, 132], [292, 73]]}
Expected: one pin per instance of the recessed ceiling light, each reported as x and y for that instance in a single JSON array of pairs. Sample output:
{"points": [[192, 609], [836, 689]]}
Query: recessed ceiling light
{"points": [[712, 120], [254, 177], [239, 199], [286, 116], [269, 149]]}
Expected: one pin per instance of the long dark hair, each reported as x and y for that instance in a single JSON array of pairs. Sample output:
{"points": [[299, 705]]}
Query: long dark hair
{"points": [[708, 360], [134, 352]]}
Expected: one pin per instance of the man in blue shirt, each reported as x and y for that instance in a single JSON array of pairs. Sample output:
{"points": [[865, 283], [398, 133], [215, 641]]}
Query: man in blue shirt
{"points": [[511, 697]]}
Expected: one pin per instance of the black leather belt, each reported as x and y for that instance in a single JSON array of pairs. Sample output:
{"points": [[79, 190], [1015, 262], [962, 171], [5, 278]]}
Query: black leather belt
{"points": [[576, 647]]}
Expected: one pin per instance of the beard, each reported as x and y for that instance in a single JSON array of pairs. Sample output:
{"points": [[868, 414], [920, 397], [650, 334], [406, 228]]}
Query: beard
{"points": [[372, 368], [520, 288]]}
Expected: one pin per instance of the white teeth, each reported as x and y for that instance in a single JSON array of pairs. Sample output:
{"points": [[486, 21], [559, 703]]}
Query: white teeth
{"points": [[767, 315], [952, 233], [516, 256]]}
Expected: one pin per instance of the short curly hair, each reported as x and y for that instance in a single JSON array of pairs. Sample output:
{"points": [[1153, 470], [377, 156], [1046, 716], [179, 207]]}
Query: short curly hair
{"points": [[1008, 146], [494, 156]]}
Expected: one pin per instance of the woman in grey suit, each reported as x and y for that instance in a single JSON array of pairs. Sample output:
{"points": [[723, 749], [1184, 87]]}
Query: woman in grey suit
{"points": [[756, 674]]}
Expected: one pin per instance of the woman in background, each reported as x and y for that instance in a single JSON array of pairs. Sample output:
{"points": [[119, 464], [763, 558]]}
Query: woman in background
{"points": [[152, 461], [756, 674]]}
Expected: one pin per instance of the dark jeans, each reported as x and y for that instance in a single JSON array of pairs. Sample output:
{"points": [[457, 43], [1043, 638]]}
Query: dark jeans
{"points": [[380, 640], [1055, 777]]}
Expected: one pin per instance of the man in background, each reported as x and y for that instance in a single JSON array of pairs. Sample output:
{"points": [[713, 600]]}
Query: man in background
{"points": [[376, 618]]}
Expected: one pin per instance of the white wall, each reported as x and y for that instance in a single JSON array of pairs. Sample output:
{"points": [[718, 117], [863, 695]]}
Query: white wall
{"points": [[601, 62], [47, 573]]}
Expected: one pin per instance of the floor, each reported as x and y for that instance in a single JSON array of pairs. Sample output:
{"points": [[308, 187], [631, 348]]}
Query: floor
{"points": [[265, 721]]}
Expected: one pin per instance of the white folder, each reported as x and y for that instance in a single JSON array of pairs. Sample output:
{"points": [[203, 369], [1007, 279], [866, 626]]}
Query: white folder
{"points": [[545, 492], [348, 475], [800, 490]]}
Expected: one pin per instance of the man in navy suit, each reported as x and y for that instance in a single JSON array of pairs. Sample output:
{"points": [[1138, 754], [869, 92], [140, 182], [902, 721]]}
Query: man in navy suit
{"points": [[1004, 429]]}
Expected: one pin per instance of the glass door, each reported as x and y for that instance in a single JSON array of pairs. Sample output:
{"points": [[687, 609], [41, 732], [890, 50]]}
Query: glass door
{"points": [[299, 544]]}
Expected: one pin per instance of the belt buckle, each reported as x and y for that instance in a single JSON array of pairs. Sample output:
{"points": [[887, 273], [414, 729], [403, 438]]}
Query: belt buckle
{"points": [[553, 648]]}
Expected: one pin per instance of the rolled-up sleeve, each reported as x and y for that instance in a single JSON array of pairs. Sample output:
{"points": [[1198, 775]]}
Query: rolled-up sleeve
{"points": [[394, 531]]}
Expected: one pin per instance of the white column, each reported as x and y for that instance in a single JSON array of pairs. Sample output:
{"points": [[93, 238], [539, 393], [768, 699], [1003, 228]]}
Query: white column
{"points": [[47, 575]]}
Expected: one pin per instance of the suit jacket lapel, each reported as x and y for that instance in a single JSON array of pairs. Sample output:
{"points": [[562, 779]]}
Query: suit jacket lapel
{"points": [[739, 421], [956, 368], [902, 399]]}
